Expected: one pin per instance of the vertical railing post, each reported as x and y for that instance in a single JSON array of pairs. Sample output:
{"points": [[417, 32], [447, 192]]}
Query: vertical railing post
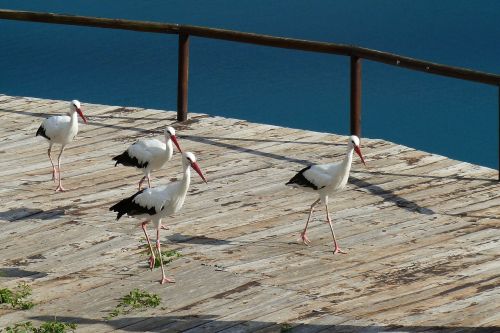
{"points": [[498, 133], [182, 78], [356, 96]]}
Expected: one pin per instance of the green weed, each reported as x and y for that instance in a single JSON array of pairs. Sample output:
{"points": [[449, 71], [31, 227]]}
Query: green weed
{"points": [[135, 300], [47, 327], [17, 297], [167, 255]]}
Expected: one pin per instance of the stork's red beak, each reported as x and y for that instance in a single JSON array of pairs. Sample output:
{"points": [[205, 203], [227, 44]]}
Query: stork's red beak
{"points": [[174, 139], [81, 115], [196, 168], [358, 151]]}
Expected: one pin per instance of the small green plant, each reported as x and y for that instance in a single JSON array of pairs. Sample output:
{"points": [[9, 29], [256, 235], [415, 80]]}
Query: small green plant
{"points": [[17, 297], [136, 299], [168, 256], [47, 327]]}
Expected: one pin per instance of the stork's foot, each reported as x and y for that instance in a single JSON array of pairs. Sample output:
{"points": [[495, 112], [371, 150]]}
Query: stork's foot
{"points": [[338, 250], [304, 239], [152, 262], [167, 280], [60, 189]]}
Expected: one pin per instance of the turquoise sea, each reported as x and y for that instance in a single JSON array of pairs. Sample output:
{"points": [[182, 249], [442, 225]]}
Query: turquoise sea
{"points": [[452, 117]]}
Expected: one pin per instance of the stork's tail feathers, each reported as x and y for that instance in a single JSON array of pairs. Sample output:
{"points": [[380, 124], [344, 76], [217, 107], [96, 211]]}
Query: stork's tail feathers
{"points": [[124, 158], [299, 180], [121, 207], [41, 132], [127, 206], [127, 160]]}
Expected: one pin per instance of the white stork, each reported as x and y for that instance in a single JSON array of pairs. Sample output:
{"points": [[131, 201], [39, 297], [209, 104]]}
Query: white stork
{"points": [[153, 204], [149, 154], [325, 180], [61, 130]]}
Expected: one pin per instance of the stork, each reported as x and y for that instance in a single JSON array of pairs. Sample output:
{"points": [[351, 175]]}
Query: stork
{"points": [[325, 180], [153, 204], [149, 154], [61, 130]]}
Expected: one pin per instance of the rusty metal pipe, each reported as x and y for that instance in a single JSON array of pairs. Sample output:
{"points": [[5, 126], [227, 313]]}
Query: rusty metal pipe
{"points": [[182, 77], [356, 96]]}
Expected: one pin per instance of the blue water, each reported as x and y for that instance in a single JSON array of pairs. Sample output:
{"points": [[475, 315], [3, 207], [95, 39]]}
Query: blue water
{"points": [[452, 117]]}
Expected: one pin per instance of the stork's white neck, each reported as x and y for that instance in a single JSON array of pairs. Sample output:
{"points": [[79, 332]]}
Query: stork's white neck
{"points": [[74, 118], [346, 163], [170, 147], [186, 179]]}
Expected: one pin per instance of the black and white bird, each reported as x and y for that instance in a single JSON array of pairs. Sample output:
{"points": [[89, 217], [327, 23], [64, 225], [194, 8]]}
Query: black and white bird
{"points": [[325, 180], [149, 154], [154, 204], [61, 130]]}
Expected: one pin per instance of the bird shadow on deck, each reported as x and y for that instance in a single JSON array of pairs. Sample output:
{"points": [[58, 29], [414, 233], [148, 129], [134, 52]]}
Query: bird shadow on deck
{"points": [[14, 272], [389, 195], [19, 214], [200, 240], [209, 323]]}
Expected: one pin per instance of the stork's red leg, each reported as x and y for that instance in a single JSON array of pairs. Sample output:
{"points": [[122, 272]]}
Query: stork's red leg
{"points": [[141, 181], [52, 162], [152, 257], [60, 188], [303, 235], [149, 181], [163, 277], [337, 248]]}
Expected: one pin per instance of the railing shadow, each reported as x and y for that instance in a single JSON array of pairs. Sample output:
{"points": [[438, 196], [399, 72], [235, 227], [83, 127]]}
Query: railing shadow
{"points": [[209, 323], [211, 141], [217, 139], [489, 181]]}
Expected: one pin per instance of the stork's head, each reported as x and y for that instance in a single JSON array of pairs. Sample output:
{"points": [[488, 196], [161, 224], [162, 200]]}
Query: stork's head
{"points": [[75, 107], [189, 159], [354, 143], [170, 133]]}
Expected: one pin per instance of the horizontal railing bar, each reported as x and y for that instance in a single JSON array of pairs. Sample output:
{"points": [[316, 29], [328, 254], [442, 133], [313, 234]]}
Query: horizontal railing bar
{"points": [[266, 40], [142, 26], [346, 50]]}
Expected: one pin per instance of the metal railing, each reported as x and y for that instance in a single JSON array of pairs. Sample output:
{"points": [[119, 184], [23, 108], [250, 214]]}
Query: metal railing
{"points": [[356, 54]]}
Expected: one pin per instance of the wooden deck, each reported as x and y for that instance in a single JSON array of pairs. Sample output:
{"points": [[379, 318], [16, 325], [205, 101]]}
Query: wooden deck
{"points": [[422, 231]]}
